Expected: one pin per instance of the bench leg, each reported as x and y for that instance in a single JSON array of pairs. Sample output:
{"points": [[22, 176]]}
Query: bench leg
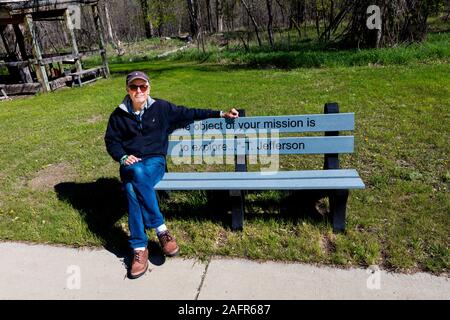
{"points": [[338, 207], [237, 209], [162, 195]]}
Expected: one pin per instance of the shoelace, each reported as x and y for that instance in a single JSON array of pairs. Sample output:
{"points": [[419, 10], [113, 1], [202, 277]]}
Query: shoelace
{"points": [[138, 255], [165, 237]]}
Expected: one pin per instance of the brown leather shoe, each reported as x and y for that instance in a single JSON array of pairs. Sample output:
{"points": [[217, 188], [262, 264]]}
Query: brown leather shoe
{"points": [[140, 263], [168, 244]]}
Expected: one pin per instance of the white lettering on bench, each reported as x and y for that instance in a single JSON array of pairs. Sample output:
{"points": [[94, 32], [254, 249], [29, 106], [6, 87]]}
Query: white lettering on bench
{"points": [[293, 123], [215, 147], [218, 141]]}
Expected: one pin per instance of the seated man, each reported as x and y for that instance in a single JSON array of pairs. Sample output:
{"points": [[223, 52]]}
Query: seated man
{"points": [[137, 137]]}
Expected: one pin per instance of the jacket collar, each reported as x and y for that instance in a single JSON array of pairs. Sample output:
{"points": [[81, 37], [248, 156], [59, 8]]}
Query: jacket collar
{"points": [[126, 103]]}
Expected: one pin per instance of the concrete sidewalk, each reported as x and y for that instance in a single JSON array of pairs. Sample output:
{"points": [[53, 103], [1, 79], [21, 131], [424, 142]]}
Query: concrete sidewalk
{"points": [[48, 272]]}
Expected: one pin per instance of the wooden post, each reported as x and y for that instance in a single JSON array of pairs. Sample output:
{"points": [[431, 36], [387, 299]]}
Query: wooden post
{"points": [[17, 73], [69, 30], [25, 73], [40, 69], [101, 43], [61, 67]]}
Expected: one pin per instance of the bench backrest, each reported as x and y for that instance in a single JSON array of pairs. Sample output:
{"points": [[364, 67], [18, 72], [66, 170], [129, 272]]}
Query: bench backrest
{"points": [[260, 135]]}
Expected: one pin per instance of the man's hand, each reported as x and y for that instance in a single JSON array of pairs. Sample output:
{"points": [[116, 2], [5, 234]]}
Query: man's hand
{"points": [[131, 160], [232, 114]]}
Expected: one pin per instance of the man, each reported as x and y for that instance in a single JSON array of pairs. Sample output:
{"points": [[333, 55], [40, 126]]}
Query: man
{"points": [[137, 137]]}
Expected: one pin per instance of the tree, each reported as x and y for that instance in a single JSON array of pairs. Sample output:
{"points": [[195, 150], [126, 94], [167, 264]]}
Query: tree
{"points": [[219, 15], [270, 22], [115, 42], [209, 16], [252, 18], [402, 21], [145, 5], [194, 13]]}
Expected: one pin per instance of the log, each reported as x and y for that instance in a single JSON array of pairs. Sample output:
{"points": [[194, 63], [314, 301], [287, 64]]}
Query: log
{"points": [[23, 88], [60, 82]]}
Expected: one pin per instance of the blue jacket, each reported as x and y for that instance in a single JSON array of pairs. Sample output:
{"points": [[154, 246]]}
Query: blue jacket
{"points": [[127, 134]]}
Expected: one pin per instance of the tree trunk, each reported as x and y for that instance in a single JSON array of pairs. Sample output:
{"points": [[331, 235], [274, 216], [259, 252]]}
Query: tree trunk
{"points": [[448, 12], [208, 16], [160, 12], [193, 17], [147, 22], [219, 15], [330, 20], [336, 21], [115, 42], [269, 23], [317, 19], [252, 18]]}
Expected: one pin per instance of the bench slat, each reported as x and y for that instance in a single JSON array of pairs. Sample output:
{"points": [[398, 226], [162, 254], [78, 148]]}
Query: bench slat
{"points": [[307, 174], [252, 146], [257, 184], [284, 124]]}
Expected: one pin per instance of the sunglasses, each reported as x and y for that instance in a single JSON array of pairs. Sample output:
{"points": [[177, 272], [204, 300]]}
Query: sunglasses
{"points": [[134, 87]]}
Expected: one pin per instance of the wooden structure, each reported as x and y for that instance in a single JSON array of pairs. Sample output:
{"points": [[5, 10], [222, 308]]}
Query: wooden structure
{"points": [[31, 72]]}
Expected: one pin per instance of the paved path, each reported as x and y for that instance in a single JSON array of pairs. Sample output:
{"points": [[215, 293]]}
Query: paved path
{"points": [[50, 272]]}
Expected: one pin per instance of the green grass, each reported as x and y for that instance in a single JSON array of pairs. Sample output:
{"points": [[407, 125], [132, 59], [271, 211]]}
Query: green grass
{"points": [[312, 54], [400, 221]]}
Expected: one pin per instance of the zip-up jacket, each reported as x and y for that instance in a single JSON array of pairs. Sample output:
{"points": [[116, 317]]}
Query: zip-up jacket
{"points": [[128, 134]]}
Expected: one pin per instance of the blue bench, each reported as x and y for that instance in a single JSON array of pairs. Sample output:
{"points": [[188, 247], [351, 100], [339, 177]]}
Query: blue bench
{"points": [[248, 139]]}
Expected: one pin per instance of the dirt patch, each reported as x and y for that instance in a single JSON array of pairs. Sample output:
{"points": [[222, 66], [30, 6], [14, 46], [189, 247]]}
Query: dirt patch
{"points": [[95, 118], [328, 244], [222, 239], [51, 175]]}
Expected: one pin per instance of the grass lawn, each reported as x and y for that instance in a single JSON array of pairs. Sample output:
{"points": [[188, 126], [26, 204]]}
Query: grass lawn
{"points": [[58, 184]]}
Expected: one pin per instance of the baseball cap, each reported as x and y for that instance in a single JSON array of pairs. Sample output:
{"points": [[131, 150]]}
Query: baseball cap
{"points": [[136, 75]]}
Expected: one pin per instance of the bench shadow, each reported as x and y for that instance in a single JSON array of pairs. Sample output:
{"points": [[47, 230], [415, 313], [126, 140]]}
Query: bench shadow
{"points": [[206, 206], [102, 204], [294, 206], [305, 205]]}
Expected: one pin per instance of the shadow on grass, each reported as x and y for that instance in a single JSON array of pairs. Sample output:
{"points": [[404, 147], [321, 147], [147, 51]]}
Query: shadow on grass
{"points": [[102, 204], [289, 206], [292, 206]]}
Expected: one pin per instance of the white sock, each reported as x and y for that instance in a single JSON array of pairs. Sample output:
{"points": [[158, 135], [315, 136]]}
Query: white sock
{"points": [[139, 249], [161, 228]]}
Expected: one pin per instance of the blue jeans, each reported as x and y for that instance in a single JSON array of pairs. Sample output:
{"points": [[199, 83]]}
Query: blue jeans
{"points": [[139, 180]]}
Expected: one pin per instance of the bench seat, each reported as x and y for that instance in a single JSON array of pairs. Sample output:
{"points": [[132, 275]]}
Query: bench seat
{"points": [[284, 180]]}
